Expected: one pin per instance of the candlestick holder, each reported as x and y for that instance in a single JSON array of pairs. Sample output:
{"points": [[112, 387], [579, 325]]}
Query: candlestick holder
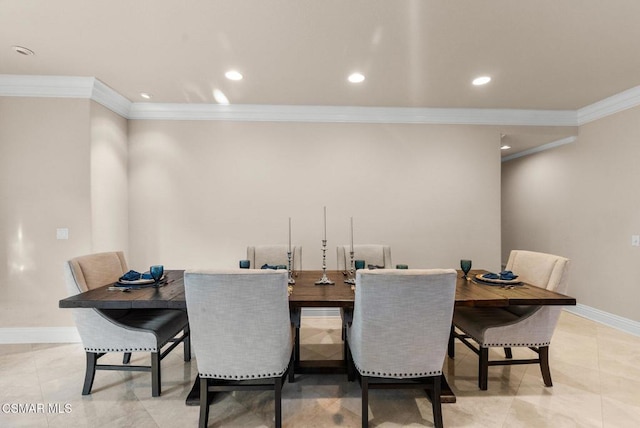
{"points": [[291, 280], [324, 280], [352, 277]]}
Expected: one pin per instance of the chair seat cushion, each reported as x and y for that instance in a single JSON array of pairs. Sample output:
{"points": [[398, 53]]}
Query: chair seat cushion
{"points": [[164, 323], [475, 321]]}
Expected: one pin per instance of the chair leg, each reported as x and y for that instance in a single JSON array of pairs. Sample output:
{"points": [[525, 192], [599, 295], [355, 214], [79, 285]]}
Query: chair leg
{"points": [[544, 365], [451, 350], [345, 342], [436, 404], [292, 371], [204, 403], [126, 359], [187, 344], [296, 345], [508, 353], [90, 373], [155, 374], [351, 370], [365, 401], [278, 402], [483, 368]]}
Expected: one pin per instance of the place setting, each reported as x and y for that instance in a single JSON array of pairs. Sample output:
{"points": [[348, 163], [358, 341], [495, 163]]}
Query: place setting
{"points": [[505, 279], [134, 280]]}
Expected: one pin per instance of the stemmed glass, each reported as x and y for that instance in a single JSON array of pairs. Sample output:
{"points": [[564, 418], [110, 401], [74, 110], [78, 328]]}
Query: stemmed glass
{"points": [[156, 272], [465, 265]]}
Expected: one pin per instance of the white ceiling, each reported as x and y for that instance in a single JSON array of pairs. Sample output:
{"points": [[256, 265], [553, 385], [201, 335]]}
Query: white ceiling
{"points": [[544, 54]]}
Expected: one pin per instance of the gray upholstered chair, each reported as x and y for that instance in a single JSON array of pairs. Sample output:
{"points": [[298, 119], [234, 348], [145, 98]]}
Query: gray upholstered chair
{"points": [[516, 326], [240, 330], [372, 254], [134, 330], [400, 330], [274, 255]]}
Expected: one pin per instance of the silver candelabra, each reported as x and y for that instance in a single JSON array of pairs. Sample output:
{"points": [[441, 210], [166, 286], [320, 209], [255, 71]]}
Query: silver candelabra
{"points": [[352, 277], [324, 280], [291, 280]]}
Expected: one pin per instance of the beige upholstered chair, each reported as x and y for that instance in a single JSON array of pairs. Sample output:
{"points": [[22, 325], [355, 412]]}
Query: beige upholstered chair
{"points": [[372, 254], [376, 255], [134, 330], [274, 255], [519, 326], [241, 331], [400, 330]]}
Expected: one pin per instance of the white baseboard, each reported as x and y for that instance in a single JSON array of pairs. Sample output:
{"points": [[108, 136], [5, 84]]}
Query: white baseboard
{"points": [[39, 335], [615, 321], [10, 335]]}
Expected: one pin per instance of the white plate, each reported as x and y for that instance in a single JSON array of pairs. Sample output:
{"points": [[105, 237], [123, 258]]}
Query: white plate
{"points": [[139, 281]]}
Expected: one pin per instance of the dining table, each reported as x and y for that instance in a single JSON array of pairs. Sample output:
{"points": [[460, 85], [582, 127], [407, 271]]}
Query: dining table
{"points": [[306, 294]]}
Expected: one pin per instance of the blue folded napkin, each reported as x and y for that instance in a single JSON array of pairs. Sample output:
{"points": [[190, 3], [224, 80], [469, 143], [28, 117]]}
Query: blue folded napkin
{"points": [[505, 275], [266, 266], [375, 267], [274, 267], [132, 275]]}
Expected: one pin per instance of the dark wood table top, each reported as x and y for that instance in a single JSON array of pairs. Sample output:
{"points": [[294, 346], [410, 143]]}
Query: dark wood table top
{"points": [[307, 294]]}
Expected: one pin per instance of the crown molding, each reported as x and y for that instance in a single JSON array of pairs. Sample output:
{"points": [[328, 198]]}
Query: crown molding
{"points": [[608, 106], [64, 87], [12, 85], [541, 148], [111, 99], [92, 88], [340, 114]]}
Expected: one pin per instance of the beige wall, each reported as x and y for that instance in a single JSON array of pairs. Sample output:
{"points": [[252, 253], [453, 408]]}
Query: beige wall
{"points": [[109, 185], [44, 185], [581, 201], [202, 191]]}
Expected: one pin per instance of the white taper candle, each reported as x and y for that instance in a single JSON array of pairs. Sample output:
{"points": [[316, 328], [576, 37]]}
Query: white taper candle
{"points": [[352, 234], [325, 224]]}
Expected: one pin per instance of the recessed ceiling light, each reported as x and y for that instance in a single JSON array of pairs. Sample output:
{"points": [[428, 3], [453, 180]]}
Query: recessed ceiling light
{"points": [[482, 80], [356, 78], [145, 95], [505, 147], [220, 97], [23, 51], [233, 75]]}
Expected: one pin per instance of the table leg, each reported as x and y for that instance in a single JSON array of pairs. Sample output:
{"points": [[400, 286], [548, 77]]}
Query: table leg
{"points": [[446, 393], [296, 320]]}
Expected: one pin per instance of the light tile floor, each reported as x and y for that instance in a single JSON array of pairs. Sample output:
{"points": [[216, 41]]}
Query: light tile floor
{"points": [[595, 370]]}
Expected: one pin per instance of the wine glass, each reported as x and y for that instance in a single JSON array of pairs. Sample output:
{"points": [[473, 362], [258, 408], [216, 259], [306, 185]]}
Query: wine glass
{"points": [[465, 265], [156, 272]]}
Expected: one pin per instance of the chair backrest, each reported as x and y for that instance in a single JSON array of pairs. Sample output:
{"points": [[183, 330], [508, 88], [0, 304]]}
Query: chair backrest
{"points": [[372, 254], [98, 328], [95, 270], [401, 321], [540, 269], [274, 255], [239, 321]]}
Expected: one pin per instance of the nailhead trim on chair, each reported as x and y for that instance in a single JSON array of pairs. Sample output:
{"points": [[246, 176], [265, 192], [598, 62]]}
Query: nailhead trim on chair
{"points": [[514, 345], [241, 377], [120, 350], [397, 375], [505, 345]]}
